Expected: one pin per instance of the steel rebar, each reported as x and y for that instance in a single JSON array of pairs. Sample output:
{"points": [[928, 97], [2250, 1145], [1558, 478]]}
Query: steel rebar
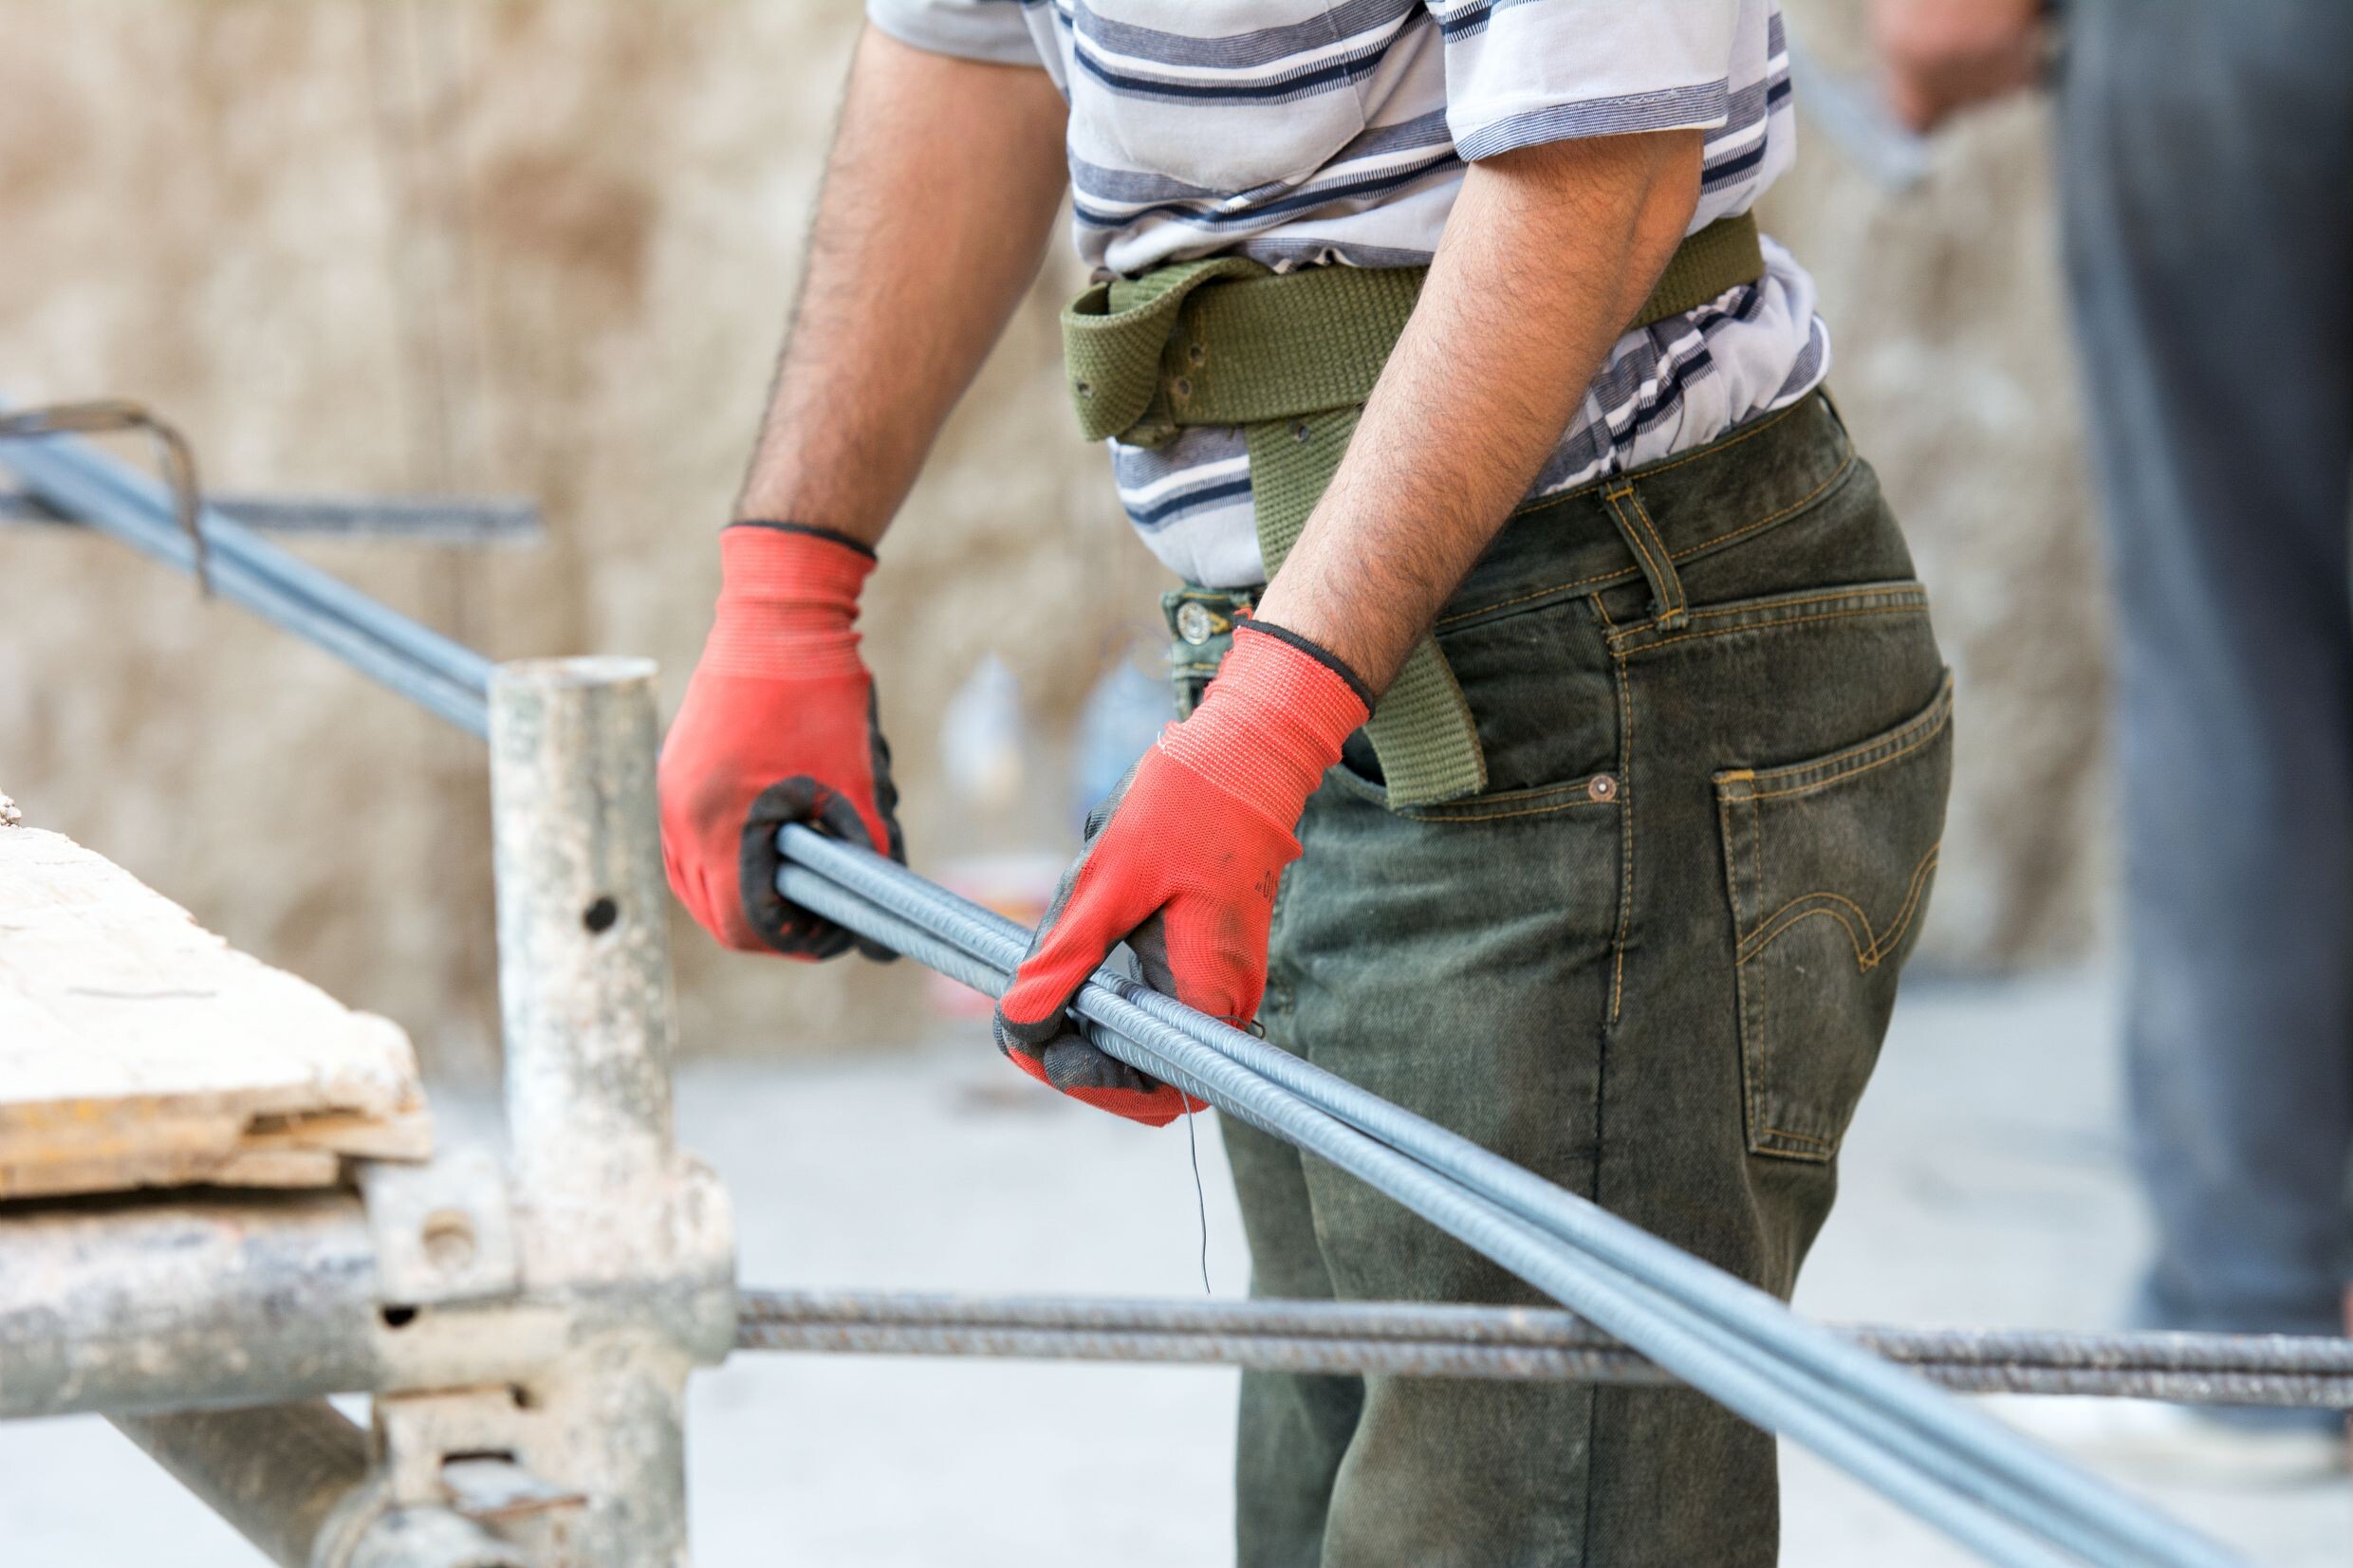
{"points": [[1419, 1339], [1970, 1439], [1959, 1470]]}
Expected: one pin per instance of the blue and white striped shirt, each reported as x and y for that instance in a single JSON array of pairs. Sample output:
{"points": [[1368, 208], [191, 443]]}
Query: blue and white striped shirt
{"points": [[1314, 132]]}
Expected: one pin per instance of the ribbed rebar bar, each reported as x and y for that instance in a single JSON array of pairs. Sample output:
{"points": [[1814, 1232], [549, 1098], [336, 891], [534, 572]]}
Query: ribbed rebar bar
{"points": [[1417, 1339], [1894, 1404], [1958, 1471]]}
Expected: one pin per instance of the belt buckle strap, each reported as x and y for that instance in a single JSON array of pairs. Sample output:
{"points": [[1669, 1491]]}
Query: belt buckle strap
{"points": [[1422, 729], [1115, 337], [1200, 624]]}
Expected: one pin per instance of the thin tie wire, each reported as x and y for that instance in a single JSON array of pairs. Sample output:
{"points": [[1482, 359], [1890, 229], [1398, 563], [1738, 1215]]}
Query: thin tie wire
{"points": [[1200, 1199]]}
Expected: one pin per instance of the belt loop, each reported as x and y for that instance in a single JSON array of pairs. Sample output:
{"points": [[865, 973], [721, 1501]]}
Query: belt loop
{"points": [[1668, 607]]}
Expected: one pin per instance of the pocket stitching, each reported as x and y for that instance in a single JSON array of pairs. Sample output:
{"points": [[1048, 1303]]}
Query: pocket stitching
{"points": [[1734, 786], [1903, 609], [1849, 763], [1626, 834], [1541, 799], [1628, 573], [1894, 595], [1867, 956]]}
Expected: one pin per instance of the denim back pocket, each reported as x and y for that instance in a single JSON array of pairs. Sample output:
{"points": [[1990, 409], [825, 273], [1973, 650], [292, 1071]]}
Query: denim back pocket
{"points": [[1828, 863]]}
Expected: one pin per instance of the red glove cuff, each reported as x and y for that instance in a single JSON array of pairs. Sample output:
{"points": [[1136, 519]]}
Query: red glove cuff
{"points": [[1272, 722], [787, 603]]}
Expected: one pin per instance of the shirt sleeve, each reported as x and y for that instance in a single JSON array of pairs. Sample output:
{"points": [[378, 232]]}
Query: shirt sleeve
{"points": [[1523, 72], [993, 31]]}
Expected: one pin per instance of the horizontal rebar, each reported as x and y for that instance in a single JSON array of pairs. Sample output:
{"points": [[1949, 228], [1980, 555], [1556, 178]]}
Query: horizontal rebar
{"points": [[409, 518], [1420, 1341]]}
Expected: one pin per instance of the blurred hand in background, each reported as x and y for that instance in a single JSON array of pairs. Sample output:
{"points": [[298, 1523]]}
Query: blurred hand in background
{"points": [[1938, 57]]}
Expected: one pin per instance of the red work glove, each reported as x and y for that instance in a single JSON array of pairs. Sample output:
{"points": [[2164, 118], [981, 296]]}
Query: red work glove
{"points": [[778, 727], [1182, 863]]}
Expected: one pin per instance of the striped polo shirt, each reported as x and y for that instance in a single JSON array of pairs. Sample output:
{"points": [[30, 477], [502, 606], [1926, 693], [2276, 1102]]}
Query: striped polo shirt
{"points": [[1335, 132]]}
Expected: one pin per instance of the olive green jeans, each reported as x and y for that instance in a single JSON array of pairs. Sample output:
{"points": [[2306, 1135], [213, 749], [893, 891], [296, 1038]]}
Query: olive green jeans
{"points": [[1652, 963]]}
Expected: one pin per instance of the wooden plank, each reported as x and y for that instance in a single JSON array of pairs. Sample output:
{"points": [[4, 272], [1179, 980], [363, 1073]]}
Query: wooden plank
{"points": [[137, 1048]]}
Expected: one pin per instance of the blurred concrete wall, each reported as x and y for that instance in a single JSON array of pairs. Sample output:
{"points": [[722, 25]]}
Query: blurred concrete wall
{"points": [[421, 245]]}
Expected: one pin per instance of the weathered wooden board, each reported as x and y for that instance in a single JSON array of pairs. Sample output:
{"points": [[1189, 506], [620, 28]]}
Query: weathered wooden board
{"points": [[139, 1049]]}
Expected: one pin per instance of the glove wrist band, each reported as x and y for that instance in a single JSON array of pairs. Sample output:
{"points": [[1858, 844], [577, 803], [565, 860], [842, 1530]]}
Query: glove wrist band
{"points": [[813, 530], [1272, 722], [787, 603], [1315, 650]]}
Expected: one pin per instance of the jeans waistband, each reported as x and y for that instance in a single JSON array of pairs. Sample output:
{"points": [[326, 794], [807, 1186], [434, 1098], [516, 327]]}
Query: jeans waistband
{"points": [[1628, 526]]}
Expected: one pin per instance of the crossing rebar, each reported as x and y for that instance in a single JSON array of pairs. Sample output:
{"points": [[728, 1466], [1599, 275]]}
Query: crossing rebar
{"points": [[1954, 1468], [1413, 1340]]}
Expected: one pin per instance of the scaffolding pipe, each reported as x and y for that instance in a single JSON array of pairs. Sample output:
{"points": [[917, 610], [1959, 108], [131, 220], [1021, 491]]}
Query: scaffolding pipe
{"points": [[298, 1481], [129, 1305], [601, 1195]]}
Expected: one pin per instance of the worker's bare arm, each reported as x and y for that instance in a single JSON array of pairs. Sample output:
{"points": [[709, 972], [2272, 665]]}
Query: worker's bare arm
{"points": [[938, 200], [1549, 251]]}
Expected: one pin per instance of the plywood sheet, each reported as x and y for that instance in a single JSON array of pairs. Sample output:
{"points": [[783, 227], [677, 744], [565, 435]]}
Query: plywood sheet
{"points": [[137, 1048]]}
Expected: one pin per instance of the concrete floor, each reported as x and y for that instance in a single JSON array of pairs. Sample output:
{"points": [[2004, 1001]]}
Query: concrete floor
{"points": [[1981, 1187]]}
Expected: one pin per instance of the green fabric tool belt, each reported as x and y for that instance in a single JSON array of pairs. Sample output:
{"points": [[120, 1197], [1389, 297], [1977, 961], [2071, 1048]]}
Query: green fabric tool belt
{"points": [[1292, 357]]}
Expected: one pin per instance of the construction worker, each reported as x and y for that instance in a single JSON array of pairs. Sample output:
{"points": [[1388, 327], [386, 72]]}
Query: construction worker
{"points": [[2215, 337], [1576, 756]]}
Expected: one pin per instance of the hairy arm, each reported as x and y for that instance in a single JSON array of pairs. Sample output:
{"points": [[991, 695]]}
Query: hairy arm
{"points": [[938, 201], [1548, 253]]}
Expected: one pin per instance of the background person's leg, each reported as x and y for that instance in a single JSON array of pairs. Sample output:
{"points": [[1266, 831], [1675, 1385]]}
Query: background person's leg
{"points": [[2207, 180]]}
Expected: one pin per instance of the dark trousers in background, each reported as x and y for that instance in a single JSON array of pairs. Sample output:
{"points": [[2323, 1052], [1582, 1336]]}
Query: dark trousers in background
{"points": [[1652, 963], [2207, 158]]}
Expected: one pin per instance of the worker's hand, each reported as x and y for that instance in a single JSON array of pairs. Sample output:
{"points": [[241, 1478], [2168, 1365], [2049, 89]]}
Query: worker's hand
{"points": [[1182, 863], [778, 727], [1937, 57]]}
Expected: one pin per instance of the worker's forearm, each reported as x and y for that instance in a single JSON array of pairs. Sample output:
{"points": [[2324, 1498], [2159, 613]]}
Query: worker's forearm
{"points": [[1549, 251], [938, 198]]}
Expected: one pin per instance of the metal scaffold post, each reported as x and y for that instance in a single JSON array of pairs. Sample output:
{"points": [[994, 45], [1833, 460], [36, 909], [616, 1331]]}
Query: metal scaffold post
{"points": [[607, 1213], [527, 1329]]}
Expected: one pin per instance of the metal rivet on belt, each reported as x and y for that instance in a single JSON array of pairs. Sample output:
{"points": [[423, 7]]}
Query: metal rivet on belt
{"points": [[1604, 787], [1184, 386], [1299, 431], [1084, 389], [1198, 354], [1195, 623]]}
